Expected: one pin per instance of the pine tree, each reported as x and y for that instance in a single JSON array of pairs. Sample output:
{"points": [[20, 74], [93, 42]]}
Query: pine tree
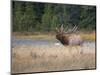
{"points": [[17, 15], [47, 17], [88, 17], [29, 18]]}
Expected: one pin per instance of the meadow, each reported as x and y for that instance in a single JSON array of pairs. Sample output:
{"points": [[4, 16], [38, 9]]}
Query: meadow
{"points": [[43, 58]]}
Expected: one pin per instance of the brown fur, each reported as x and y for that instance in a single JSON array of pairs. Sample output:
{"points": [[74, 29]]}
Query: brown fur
{"points": [[62, 38], [69, 39]]}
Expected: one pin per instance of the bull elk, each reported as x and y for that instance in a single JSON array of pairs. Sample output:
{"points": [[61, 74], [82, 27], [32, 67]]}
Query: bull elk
{"points": [[68, 37]]}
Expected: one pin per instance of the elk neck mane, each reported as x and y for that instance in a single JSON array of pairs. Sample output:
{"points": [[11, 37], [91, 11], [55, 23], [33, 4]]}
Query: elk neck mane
{"points": [[62, 37]]}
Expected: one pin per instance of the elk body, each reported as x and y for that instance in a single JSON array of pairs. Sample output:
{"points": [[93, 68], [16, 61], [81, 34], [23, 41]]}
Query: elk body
{"points": [[69, 37]]}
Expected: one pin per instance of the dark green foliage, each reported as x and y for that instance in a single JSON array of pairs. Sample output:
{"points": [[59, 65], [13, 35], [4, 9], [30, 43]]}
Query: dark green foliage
{"points": [[47, 18], [32, 16]]}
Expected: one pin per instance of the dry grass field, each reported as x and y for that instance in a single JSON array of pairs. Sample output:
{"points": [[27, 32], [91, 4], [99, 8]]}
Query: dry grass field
{"points": [[51, 36], [51, 58]]}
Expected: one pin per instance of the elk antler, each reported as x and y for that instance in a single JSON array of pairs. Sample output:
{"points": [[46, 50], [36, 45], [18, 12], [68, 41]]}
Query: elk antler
{"points": [[57, 29], [61, 28], [65, 29], [72, 30]]}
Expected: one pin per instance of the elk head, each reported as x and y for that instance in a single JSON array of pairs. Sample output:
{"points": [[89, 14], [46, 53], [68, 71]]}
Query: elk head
{"points": [[68, 37]]}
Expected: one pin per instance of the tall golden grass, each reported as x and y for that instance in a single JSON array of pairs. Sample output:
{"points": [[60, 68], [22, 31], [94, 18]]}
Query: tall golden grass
{"points": [[51, 58]]}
